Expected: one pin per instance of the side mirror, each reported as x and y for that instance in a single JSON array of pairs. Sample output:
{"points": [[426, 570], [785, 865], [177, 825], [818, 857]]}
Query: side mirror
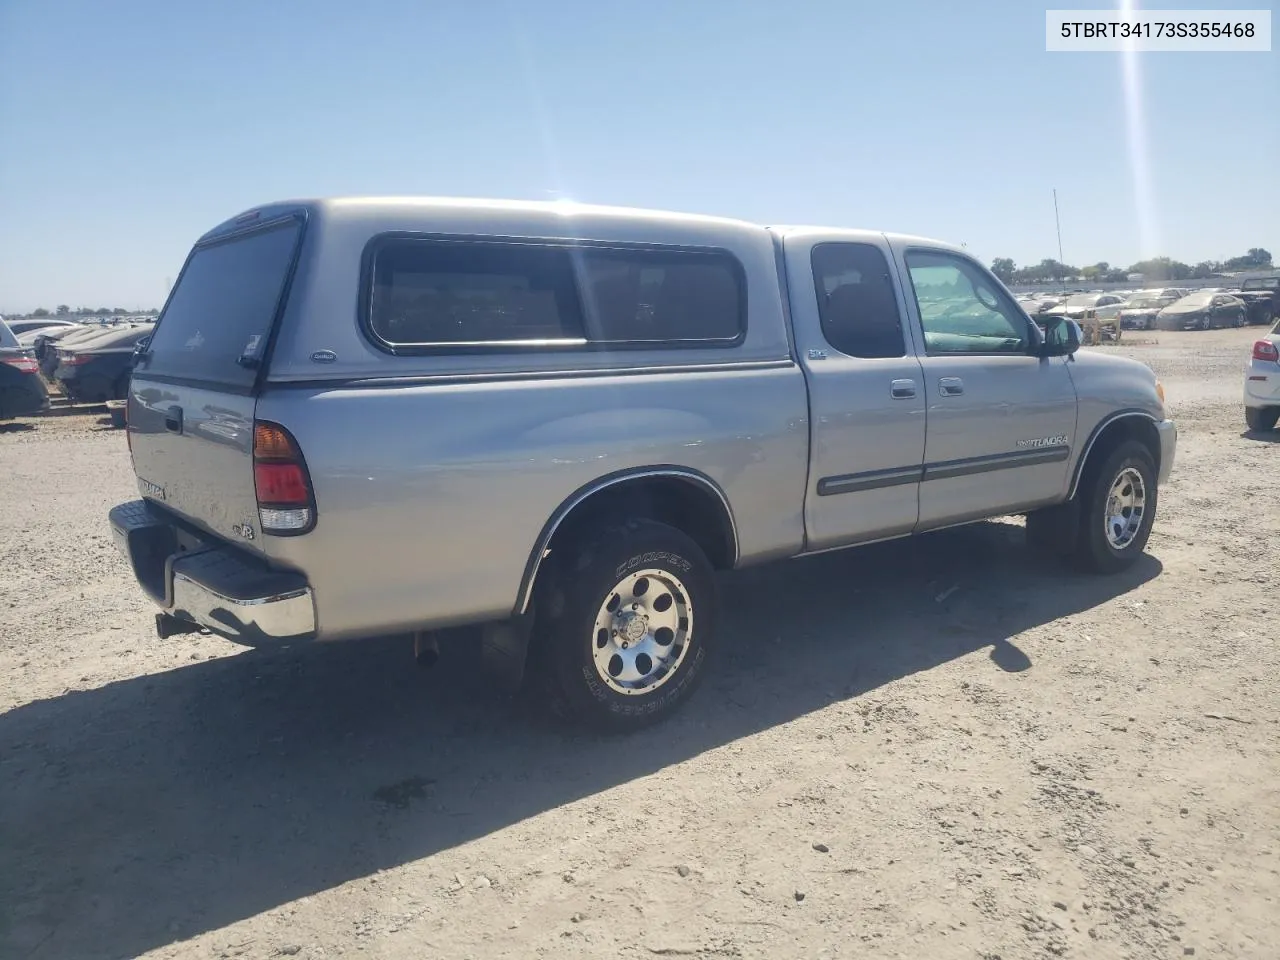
{"points": [[140, 353], [1061, 337]]}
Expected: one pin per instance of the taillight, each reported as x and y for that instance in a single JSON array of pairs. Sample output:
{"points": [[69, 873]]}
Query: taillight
{"points": [[1266, 350], [22, 364], [285, 502], [74, 359]]}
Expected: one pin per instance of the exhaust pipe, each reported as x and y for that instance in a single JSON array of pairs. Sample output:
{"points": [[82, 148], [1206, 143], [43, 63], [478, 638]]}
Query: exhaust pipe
{"points": [[426, 648]]}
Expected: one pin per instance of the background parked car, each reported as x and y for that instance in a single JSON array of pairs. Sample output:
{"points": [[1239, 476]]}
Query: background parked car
{"points": [[96, 370], [1037, 303], [20, 327], [1173, 293], [1140, 313], [22, 391], [47, 342], [1262, 296], [1203, 310], [1095, 312], [1262, 383]]}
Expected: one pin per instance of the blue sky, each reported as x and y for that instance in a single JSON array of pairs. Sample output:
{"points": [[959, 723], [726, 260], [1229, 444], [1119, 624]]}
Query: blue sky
{"points": [[128, 128]]}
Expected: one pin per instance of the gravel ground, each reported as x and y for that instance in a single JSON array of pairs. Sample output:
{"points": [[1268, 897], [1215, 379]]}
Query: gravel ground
{"points": [[928, 749]]}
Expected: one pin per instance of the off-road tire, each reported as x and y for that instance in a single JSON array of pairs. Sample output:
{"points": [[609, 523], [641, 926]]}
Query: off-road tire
{"points": [[1093, 550], [569, 599]]}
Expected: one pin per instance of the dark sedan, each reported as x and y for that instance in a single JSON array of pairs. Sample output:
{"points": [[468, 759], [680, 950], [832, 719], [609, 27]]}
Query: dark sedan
{"points": [[97, 370], [1203, 311], [22, 391]]}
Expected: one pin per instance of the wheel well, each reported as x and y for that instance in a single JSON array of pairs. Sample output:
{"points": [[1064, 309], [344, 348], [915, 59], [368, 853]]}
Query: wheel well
{"points": [[1132, 427], [686, 504]]}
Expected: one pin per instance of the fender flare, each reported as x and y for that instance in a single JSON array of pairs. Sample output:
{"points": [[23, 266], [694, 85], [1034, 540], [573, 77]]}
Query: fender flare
{"points": [[586, 491], [1103, 424]]}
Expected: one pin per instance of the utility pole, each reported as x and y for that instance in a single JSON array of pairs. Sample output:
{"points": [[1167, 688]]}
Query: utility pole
{"points": [[1058, 221]]}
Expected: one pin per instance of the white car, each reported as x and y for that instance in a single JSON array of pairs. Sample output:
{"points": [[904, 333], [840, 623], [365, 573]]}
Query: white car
{"points": [[1262, 383]]}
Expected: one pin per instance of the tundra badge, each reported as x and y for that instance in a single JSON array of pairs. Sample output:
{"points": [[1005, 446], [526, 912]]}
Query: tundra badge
{"points": [[1058, 441]]}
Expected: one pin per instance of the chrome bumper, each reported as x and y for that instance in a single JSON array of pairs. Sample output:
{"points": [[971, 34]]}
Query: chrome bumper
{"points": [[1168, 431], [216, 586]]}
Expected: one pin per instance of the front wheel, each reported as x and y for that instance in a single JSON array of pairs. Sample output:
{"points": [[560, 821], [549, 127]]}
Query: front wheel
{"points": [[1206, 323], [1117, 508], [627, 618], [1239, 320]]}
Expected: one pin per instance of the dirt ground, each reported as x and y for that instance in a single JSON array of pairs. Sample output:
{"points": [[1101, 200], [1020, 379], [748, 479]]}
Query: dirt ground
{"points": [[927, 749]]}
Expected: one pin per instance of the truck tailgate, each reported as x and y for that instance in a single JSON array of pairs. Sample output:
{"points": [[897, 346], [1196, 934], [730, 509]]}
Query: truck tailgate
{"points": [[193, 453]]}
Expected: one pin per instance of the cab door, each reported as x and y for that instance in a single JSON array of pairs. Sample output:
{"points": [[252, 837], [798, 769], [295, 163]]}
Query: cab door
{"points": [[866, 395], [1001, 420]]}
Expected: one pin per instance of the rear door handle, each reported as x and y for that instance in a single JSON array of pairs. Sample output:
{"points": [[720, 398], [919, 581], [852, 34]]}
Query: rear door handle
{"points": [[951, 386], [173, 420], [902, 389]]}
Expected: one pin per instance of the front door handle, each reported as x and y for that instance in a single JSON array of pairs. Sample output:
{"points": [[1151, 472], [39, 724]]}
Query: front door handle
{"points": [[902, 389], [173, 420], [951, 386]]}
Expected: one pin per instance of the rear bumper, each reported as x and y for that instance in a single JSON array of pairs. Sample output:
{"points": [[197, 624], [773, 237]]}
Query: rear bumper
{"points": [[1168, 432], [216, 586]]}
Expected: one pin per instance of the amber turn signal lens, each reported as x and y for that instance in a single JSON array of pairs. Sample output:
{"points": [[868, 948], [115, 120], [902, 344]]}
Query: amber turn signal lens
{"points": [[271, 442], [1160, 390]]}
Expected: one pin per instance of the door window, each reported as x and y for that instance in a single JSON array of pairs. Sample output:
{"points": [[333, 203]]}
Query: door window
{"points": [[856, 302], [961, 308]]}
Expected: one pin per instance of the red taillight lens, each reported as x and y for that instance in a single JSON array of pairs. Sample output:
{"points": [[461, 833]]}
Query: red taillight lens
{"points": [[22, 364], [281, 484], [1266, 350], [280, 479], [74, 359]]}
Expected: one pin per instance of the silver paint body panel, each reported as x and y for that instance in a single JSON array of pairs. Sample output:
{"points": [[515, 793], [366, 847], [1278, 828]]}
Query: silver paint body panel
{"points": [[436, 476]]}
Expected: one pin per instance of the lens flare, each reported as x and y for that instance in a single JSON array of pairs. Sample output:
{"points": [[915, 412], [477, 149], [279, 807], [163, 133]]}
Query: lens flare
{"points": [[1136, 134]]}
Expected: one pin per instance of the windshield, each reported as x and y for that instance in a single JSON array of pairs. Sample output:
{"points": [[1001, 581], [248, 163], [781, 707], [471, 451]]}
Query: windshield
{"points": [[1145, 303], [1197, 300], [1080, 300]]}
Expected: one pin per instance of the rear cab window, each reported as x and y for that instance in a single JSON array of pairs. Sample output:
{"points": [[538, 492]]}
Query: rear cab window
{"points": [[219, 318], [856, 300], [428, 294]]}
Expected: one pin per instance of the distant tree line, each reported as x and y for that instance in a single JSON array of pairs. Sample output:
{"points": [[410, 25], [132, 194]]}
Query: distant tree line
{"points": [[1158, 268], [63, 310]]}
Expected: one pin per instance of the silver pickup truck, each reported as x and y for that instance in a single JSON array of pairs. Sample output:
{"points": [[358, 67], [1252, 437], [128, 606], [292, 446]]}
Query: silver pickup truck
{"points": [[556, 422]]}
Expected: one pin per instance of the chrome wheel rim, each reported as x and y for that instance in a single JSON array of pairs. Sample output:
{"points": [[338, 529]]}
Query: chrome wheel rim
{"points": [[642, 632], [1126, 504]]}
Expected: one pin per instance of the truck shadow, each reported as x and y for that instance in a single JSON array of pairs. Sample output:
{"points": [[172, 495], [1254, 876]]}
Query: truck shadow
{"points": [[159, 807]]}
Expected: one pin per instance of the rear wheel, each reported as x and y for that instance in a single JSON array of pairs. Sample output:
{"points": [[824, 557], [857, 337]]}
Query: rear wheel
{"points": [[1240, 319], [1261, 419], [626, 620], [1117, 507]]}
